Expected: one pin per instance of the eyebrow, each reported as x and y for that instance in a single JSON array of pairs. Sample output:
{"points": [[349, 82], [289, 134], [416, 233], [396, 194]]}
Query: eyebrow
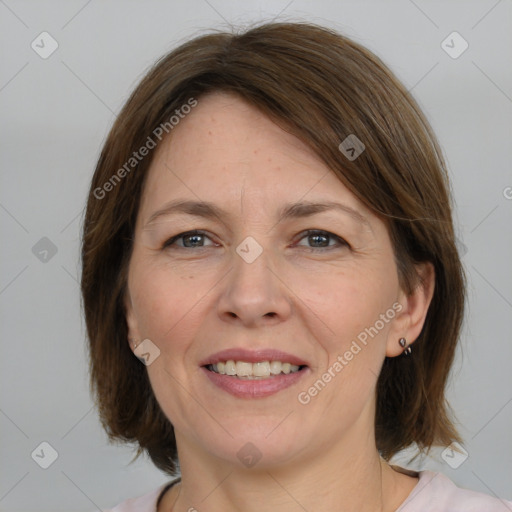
{"points": [[210, 210]]}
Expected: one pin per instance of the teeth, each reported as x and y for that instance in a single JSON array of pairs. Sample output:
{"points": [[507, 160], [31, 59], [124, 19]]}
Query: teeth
{"points": [[275, 367], [229, 368], [261, 369], [247, 370], [243, 369]]}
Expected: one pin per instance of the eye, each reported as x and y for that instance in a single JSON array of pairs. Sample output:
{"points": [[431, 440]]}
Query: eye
{"points": [[189, 240], [321, 240]]}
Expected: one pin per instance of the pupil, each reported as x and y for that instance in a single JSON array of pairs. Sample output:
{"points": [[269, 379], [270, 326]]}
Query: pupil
{"points": [[319, 238], [194, 239]]}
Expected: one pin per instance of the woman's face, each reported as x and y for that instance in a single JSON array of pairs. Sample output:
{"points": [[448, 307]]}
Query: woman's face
{"points": [[272, 279]]}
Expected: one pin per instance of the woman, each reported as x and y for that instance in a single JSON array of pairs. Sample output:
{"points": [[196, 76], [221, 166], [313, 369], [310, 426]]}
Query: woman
{"points": [[271, 287]]}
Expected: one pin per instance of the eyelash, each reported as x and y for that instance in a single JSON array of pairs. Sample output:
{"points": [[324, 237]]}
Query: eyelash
{"points": [[309, 232]]}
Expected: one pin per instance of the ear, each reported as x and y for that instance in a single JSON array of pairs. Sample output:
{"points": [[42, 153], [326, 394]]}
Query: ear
{"points": [[131, 321], [410, 319]]}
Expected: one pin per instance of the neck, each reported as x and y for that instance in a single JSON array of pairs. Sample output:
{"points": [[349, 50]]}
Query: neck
{"points": [[345, 477]]}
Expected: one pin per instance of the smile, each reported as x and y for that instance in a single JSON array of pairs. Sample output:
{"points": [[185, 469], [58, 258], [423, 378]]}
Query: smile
{"points": [[250, 374], [253, 371]]}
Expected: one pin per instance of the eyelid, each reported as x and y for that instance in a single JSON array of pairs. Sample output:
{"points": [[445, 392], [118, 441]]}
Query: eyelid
{"points": [[308, 232], [171, 241]]}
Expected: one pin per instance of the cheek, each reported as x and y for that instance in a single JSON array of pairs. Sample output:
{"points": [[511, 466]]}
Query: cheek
{"points": [[169, 307], [164, 300], [348, 301]]}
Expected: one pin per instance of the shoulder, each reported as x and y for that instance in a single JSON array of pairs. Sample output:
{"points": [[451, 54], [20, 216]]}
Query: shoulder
{"points": [[435, 492], [146, 503]]}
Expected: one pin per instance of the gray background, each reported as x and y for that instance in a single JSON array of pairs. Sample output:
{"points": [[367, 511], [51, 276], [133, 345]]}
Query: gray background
{"points": [[56, 113]]}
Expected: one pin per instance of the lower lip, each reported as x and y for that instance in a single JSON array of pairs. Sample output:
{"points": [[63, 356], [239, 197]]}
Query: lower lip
{"points": [[254, 388]]}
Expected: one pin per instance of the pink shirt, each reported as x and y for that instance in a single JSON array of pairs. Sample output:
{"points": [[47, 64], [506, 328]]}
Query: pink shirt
{"points": [[434, 492]]}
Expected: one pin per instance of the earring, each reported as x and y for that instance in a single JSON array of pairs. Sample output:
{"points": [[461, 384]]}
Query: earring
{"points": [[403, 344]]}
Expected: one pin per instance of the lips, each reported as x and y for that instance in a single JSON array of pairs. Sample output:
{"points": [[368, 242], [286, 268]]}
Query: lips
{"points": [[252, 356], [250, 386]]}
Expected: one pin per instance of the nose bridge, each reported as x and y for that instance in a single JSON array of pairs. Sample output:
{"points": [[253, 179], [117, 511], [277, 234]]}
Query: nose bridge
{"points": [[253, 290], [252, 263]]}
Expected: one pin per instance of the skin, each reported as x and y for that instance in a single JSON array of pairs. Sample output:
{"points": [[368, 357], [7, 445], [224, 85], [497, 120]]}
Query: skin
{"points": [[298, 296]]}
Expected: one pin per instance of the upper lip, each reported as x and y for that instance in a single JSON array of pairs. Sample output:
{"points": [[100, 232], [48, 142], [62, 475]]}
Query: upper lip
{"points": [[252, 356]]}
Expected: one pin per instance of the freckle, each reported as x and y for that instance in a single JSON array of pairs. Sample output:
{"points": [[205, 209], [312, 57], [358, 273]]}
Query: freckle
{"points": [[269, 159], [209, 132]]}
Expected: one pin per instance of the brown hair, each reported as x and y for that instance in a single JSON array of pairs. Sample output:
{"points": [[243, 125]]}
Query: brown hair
{"points": [[321, 87]]}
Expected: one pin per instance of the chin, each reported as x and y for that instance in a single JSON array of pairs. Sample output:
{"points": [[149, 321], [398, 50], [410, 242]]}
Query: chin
{"points": [[258, 445]]}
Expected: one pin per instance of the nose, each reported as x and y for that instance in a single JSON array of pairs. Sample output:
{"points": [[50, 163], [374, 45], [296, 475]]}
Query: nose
{"points": [[254, 294]]}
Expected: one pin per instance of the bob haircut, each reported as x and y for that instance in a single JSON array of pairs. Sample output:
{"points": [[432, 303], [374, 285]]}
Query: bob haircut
{"points": [[321, 87]]}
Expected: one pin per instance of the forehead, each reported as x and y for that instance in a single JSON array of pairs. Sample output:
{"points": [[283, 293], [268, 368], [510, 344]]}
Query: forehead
{"points": [[226, 149]]}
